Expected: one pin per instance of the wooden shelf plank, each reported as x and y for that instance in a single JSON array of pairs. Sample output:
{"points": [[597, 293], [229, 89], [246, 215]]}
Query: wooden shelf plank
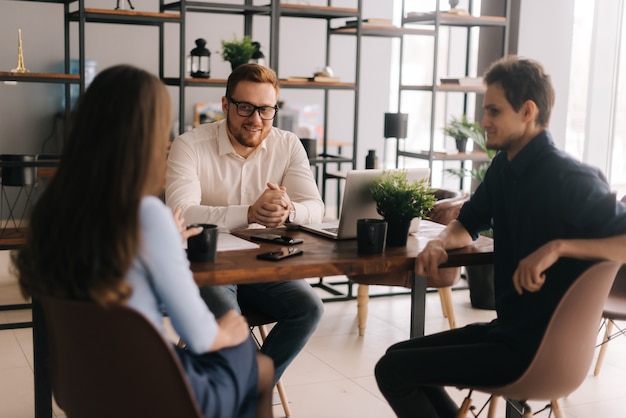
{"points": [[39, 77], [389, 31], [453, 19], [125, 16], [443, 156], [316, 84], [219, 8], [320, 12]]}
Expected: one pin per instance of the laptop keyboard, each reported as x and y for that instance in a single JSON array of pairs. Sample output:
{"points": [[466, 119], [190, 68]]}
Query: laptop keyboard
{"points": [[331, 230]]}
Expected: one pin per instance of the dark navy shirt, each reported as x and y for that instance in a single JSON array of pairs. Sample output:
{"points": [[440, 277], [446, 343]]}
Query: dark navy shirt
{"points": [[541, 195]]}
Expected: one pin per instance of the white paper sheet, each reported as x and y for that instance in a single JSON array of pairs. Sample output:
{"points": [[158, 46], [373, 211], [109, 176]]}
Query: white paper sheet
{"points": [[229, 242]]}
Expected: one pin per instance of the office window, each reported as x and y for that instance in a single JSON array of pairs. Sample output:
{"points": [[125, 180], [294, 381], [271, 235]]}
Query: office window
{"points": [[596, 128], [579, 75], [618, 161]]}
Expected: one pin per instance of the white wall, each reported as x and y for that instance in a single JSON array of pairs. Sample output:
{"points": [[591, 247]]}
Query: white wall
{"points": [[545, 34], [27, 110]]}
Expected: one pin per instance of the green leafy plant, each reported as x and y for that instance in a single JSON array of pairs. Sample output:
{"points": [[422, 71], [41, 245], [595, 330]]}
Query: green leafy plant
{"points": [[462, 128], [473, 130], [397, 199], [238, 51]]}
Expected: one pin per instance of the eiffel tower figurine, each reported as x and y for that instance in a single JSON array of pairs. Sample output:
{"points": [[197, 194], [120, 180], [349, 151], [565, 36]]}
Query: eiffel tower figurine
{"points": [[117, 5], [20, 55]]}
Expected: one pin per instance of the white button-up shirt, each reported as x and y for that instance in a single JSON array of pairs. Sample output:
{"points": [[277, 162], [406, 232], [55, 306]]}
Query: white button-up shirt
{"points": [[211, 183]]}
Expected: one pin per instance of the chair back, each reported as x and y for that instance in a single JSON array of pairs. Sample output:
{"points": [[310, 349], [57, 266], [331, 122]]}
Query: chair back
{"points": [[112, 362], [564, 356], [615, 306]]}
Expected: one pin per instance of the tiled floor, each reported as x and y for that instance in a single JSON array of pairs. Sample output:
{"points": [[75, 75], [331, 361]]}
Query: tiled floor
{"points": [[333, 376]]}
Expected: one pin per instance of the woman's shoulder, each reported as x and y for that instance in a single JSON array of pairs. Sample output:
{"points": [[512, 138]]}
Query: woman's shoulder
{"points": [[152, 203], [152, 207]]}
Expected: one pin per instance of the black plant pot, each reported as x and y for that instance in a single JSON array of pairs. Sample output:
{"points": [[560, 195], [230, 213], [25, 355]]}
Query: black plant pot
{"points": [[461, 144], [397, 232], [480, 283], [235, 64]]}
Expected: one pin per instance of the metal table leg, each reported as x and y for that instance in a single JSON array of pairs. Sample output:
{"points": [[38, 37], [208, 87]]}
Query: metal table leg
{"points": [[43, 393]]}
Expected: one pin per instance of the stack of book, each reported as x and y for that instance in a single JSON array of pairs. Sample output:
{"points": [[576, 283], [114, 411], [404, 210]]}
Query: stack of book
{"points": [[370, 21], [464, 81], [317, 78]]}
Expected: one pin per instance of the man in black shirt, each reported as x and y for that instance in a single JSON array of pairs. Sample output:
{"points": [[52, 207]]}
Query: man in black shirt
{"points": [[552, 217]]}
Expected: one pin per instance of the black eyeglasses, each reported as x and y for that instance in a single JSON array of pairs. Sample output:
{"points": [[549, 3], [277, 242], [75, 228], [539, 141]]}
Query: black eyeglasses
{"points": [[247, 109]]}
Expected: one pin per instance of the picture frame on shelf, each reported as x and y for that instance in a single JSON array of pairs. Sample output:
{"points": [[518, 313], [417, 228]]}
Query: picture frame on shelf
{"points": [[206, 113]]}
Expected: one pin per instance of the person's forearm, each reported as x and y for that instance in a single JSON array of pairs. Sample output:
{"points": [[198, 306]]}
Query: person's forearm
{"points": [[455, 236], [309, 211], [612, 248], [229, 217]]}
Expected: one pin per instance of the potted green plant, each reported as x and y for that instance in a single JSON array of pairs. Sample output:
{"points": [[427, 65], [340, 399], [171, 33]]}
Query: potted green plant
{"points": [[477, 135], [461, 130], [399, 201], [238, 51]]}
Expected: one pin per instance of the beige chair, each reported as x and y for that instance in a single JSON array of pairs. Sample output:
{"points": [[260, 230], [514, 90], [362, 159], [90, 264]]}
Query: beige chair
{"points": [[446, 209], [614, 310], [566, 351], [259, 320], [112, 363]]}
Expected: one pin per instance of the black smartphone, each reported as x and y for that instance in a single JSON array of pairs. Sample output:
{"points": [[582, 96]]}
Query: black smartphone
{"points": [[280, 254], [276, 239]]}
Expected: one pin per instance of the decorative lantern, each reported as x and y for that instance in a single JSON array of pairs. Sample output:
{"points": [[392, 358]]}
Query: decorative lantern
{"points": [[258, 57], [198, 60]]}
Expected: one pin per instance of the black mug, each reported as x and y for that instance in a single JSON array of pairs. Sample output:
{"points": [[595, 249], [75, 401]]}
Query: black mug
{"points": [[371, 235], [203, 247]]}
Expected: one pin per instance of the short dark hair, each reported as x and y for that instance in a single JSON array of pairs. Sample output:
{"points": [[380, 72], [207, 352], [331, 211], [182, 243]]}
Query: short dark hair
{"points": [[251, 72], [523, 79]]}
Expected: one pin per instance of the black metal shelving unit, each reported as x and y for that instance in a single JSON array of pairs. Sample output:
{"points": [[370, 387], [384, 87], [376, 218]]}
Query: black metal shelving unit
{"points": [[434, 23]]}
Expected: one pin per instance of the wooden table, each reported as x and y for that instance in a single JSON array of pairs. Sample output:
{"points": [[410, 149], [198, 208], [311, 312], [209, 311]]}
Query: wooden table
{"points": [[326, 257], [322, 257]]}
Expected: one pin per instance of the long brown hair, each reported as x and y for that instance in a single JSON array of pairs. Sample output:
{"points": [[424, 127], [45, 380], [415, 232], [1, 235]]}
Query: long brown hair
{"points": [[84, 230]]}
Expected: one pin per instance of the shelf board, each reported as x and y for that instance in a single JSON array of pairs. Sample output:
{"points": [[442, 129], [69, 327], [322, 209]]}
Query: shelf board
{"points": [[219, 82], [330, 159], [443, 156], [31, 77], [12, 238], [460, 88], [316, 84], [190, 81], [318, 12], [125, 16], [218, 8], [49, 1], [452, 19], [445, 88], [24, 164], [388, 31]]}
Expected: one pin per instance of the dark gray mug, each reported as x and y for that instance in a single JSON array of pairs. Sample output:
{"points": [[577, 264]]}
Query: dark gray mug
{"points": [[371, 235], [203, 247]]}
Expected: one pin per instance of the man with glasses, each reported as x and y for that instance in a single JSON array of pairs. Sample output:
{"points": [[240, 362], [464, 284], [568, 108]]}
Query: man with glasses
{"points": [[241, 171]]}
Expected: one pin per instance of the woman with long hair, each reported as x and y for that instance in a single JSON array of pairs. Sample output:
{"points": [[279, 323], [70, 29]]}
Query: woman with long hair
{"points": [[98, 232]]}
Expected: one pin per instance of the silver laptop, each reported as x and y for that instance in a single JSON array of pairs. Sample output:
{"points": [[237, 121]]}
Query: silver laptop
{"points": [[358, 203]]}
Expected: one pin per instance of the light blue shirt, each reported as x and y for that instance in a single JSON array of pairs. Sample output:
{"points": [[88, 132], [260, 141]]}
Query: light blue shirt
{"points": [[163, 259]]}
